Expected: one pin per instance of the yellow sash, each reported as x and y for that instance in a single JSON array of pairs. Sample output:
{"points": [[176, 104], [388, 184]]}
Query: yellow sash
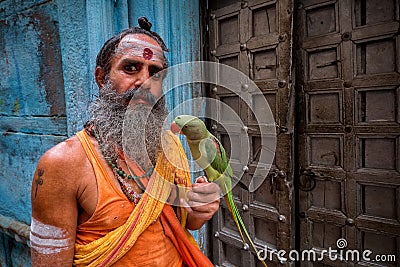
{"points": [[169, 169]]}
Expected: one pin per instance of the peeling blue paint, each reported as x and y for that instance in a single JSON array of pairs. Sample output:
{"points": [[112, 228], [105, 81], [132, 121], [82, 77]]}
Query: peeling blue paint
{"points": [[17, 106], [32, 112], [121, 16]]}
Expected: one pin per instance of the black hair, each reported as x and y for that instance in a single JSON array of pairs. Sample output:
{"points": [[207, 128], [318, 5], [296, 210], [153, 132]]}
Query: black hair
{"points": [[108, 50]]}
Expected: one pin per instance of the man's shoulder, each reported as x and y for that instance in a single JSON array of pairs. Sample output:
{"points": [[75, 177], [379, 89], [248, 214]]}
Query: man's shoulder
{"points": [[66, 152], [62, 167]]}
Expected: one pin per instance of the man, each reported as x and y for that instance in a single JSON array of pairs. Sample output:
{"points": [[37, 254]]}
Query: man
{"points": [[101, 197]]}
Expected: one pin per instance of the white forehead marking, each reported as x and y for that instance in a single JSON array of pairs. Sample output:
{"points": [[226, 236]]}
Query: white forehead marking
{"points": [[137, 48], [131, 39], [48, 239]]}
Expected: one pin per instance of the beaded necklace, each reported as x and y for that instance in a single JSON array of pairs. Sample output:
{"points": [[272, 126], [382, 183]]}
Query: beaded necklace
{"points": [[121, 175], [129, 192]]}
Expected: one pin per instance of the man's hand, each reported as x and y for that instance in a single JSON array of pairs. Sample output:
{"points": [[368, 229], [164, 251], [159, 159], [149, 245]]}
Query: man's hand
{"points": [[203, 202]]}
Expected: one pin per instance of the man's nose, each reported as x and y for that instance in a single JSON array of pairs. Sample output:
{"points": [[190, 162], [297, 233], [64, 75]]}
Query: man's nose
{"points": [[142, 77]]}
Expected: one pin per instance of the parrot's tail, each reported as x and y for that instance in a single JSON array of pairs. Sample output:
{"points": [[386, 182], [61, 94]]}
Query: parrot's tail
{"points": [[232, 207], [240, 224]]}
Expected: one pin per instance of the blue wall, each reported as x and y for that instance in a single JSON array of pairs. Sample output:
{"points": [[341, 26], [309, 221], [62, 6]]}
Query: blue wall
{"points": [[47, 59]]}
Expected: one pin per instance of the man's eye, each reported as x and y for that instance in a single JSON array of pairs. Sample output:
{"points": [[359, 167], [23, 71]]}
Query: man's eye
{"points": [[156, 75], [130, 68]]}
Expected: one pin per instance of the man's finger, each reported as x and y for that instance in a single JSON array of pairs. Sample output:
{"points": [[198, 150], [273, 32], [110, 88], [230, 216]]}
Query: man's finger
{"points": [[200, 206], [201, 179], [202, 198], [205, 188], [185, 205]]}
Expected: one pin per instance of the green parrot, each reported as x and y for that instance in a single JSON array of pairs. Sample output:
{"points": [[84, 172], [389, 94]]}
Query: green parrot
{"points": [[210, 155]]}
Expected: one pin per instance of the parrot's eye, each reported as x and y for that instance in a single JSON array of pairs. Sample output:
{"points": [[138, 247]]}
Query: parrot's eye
{"points": [[185, 126]]}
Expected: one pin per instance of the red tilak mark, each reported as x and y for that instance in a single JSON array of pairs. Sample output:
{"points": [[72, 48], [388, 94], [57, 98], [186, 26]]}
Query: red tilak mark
{"points": [[147, 53]]}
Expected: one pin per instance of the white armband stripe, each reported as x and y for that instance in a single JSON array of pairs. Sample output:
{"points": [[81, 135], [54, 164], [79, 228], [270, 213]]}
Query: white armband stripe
{"points": [[49, 239]]}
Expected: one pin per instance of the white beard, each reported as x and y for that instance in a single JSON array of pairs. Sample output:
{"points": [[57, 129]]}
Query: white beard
{"points": [[141, 137]]}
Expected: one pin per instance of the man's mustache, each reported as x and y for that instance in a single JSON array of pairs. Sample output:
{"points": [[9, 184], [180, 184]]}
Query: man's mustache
{"points": [[141, 93]]}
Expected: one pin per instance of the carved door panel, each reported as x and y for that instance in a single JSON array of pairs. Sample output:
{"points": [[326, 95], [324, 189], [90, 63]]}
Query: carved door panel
{"points": [[349, 128], [254, 37]]}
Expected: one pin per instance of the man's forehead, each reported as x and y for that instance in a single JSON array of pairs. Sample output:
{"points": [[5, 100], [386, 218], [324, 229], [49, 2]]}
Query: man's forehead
{"points": [[135, 37], [141, 45]]}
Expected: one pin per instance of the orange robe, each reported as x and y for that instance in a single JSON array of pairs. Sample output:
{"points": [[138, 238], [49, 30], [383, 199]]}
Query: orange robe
{"points": [[162, 243]]}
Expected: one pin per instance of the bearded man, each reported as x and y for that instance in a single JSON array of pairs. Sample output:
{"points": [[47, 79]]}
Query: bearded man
{"points": [[101, 197]]}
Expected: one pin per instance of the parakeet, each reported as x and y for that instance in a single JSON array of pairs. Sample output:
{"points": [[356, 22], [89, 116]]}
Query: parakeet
{"points": [[210, 155]]}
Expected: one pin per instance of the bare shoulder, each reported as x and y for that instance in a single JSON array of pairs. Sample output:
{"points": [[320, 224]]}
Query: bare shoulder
{"points": [[63, 154], [59, 170]]}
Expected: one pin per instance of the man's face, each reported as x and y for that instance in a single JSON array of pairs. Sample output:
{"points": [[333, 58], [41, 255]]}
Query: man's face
{"points": [[136, 65], [137, 59]]}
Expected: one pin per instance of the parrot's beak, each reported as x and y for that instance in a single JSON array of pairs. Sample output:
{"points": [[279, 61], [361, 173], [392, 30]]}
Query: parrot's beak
{"points": [[175, 128]]}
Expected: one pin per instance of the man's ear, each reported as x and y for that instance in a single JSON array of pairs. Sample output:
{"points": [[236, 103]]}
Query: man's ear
{"points": [[100, 75]]}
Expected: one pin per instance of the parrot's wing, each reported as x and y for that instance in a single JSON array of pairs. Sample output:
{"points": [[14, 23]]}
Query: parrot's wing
{"points": [[207, 153], [212, 148]]}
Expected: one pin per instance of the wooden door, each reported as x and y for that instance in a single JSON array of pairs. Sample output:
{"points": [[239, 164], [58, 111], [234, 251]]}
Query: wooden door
{"points": [[254, 37], [349, 149]]}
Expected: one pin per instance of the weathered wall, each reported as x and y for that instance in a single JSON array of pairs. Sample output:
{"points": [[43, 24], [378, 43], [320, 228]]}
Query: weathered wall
{"points": [[47, 56], [32, 102], [32, 108]]}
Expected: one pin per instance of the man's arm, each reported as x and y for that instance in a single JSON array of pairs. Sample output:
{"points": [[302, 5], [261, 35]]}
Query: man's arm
{"points": [[204, 199], [54, 208]]}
